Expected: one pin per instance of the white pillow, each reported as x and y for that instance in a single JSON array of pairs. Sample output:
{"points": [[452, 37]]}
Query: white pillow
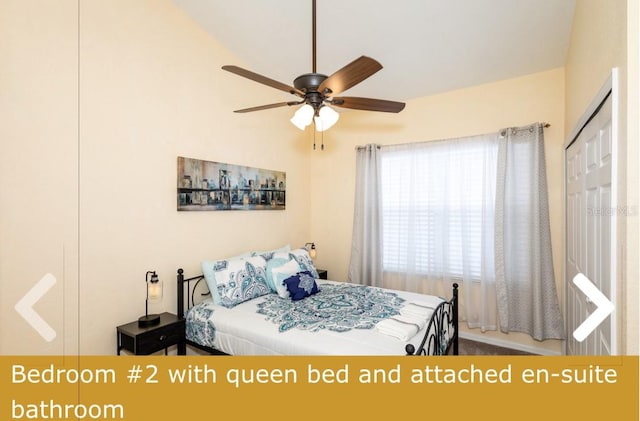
{"points": [[301, 255], [283, 272], [208, 270], [238, 280]]}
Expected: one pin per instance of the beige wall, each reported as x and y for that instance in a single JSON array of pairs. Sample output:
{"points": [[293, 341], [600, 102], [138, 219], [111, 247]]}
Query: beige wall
{"points": [[38, 168], [150, 89], [604, 36], [476, 110]]}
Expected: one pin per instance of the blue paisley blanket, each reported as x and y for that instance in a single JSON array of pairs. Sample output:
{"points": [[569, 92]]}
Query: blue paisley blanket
{"points": [[339, 308]]}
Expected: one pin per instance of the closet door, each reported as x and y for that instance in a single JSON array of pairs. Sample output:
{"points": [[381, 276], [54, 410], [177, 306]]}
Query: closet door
{"points": [[589, 247]]}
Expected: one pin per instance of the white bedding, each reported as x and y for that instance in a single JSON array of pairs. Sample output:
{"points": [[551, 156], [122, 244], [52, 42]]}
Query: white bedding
{"points": [[241, 330]]}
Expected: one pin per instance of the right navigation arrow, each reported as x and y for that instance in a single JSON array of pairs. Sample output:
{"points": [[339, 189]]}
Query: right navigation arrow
{"points": [[604, 307]]}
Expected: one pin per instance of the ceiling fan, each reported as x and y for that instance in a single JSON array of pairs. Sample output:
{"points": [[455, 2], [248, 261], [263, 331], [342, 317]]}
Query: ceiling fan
{"points": [[316, 90]]}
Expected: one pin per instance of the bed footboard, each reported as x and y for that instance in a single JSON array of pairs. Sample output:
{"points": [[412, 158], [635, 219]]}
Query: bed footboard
{"points": [[441, 336]]}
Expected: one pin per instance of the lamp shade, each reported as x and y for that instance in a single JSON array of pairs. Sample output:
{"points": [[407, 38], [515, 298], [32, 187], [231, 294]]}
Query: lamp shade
{"points": [[303, 117], [154, 293], [155, 288], [326, 118], [311, 249]]}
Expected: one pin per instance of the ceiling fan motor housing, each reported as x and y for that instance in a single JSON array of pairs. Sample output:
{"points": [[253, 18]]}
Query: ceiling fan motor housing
{"points": [[308, 83]]}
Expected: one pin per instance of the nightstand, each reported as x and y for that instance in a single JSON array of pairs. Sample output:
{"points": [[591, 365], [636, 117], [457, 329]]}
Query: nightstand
{"points": [[322, 274], [147, 340]]}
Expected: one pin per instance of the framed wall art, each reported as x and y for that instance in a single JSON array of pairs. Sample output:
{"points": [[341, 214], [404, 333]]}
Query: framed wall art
{"points": [[209, 186]]}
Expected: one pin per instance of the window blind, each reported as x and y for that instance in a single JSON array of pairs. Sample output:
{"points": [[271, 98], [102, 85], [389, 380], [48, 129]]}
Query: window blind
{"points": [[437, 206]]}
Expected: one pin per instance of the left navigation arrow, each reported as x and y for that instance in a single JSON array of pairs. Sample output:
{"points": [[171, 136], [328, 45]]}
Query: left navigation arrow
{"points": [[24, 307]]}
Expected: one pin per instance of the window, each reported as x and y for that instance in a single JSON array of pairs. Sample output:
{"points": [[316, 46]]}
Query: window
{"points": [[438, 207]]}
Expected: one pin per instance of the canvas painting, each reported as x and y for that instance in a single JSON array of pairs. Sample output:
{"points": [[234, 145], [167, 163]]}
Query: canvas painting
{"points": [[210, 186]]}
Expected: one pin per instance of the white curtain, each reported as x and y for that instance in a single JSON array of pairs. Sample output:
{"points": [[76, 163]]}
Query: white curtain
{"points": [[437, 221], [526, 288], [470, 210], [366, 244]]}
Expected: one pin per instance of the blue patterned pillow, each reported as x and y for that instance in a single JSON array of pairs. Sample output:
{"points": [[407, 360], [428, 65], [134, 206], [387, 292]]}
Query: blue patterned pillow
{"points": [[240, 280], [301, 285], [272, 269], [283, 272], [304, 260]]}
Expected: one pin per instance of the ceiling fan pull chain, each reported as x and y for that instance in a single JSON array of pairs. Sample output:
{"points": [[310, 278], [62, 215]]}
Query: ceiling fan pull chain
{"points": [[314, 135], [322, 146]]}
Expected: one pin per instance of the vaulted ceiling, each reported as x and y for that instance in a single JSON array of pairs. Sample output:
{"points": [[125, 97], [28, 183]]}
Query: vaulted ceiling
{"points": [[425, 46]]}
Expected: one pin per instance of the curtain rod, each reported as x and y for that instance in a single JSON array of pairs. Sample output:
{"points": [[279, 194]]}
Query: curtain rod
{"points": [[544, 124], [517, 129]]}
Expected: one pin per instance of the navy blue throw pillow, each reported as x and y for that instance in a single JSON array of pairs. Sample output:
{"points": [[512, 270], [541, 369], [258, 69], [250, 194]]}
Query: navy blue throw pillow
{"points": [[301, 285]]}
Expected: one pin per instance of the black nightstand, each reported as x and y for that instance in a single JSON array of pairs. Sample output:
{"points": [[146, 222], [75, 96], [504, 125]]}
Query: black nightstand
{"points": [[147, 340], [322, 274]]}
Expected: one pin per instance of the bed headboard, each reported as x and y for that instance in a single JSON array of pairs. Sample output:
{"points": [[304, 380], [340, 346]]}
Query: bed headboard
{"points": [[188, 286]]}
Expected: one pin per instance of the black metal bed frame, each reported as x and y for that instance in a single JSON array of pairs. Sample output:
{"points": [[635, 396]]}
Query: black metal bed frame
{"points": [[440, 338], [190, 302]]}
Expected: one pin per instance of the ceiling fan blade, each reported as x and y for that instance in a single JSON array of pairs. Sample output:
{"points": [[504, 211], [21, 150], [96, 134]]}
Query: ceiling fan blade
{"points": [[350, 75], [268, 106], [368, 104], [263, 79]]}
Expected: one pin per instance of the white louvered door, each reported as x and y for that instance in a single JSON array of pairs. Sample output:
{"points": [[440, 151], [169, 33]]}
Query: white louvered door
{"points": [[590, 229]]}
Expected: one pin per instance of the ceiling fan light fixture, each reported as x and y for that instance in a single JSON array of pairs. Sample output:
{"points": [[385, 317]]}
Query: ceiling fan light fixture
{"points": [[326, 118], [303, 117]]}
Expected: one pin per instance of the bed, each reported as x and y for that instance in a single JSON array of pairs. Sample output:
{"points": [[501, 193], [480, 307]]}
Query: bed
{"points": [[273, 303]]}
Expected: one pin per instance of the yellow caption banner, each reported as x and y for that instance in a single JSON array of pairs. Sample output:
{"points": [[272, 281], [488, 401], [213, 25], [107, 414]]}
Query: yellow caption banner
{"points": [[196, 387]]}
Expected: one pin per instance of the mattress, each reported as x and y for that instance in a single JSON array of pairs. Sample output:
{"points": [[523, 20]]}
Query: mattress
{"points": [[269, 325]]}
